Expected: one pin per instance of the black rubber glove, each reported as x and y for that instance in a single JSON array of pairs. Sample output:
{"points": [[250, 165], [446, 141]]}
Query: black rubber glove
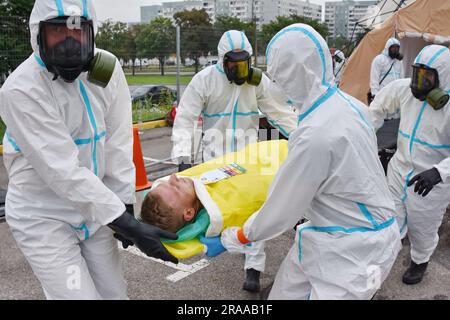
{"points": [[184, 166], [125, 242], [146, 237], [425, 181]]}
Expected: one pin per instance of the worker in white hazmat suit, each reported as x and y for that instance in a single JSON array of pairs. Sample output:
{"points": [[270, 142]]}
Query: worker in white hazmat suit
{"points": [[338, 65], [332, 176], [68, 153], [422, 158], [228, 96], [386, 67]]}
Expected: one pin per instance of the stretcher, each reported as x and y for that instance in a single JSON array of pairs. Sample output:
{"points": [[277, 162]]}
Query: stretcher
{"points": [[231, 201]]}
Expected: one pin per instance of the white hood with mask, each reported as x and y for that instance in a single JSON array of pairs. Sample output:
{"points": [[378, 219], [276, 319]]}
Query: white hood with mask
{"points": [[49, 9], [232, 40], [296, 71], [391, 42]]}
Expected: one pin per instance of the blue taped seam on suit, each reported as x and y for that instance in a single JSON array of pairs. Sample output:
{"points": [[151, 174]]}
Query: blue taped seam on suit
{"points": [[39, 61], [280, 128], [12, 142], [219, 69], [230, 40], [93, 124], [60, 8], [382, 226], [405, 196], [228, 114], [435, 56], [233, 136], [85, 9], [355, 108], [89, 140], [84, 228], [413, 135], [321, 100], [367, 214], [417, 140]]}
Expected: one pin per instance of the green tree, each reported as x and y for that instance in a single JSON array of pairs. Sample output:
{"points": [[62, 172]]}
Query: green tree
{"points": [[157, 39], [119, 39], [197, 36], [111, 36], [20, 8], [339, 43], [271, 29], [14, 34], [129, 46]]}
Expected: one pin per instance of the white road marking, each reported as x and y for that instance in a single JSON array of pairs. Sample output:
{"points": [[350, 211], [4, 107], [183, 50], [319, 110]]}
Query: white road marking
{"points": [[183, 270]]}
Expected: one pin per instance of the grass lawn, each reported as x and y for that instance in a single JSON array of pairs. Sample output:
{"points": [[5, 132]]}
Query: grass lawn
{"points": [[150, 114], [156, 69], [157, 79]]}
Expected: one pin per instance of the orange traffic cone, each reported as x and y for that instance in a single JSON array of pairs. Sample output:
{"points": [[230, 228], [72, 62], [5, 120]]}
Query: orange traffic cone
{"points": [[142, 182]]}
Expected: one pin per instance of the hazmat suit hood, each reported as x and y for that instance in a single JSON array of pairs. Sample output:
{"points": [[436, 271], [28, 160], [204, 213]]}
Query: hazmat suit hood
{"points": [[232, 40], [340, 54], [48, 9], [437, 57], [299, 63], [338, 65], [389, 43]]}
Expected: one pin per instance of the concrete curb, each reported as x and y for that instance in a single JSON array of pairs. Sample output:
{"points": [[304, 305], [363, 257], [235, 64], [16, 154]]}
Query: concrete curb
{"points": [[141, 126]]}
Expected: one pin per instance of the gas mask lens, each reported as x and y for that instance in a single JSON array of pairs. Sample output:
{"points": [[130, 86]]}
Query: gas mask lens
{"points": [[240, 69], [66, 45], [394, 52], [425, 86], [237, 66], [424, 79]]}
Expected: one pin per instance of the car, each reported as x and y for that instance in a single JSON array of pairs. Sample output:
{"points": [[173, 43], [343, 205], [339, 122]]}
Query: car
{"points": [[151, 93], [210, 63]]}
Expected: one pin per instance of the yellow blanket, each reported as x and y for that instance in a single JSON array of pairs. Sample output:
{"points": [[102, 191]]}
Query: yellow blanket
{"points": [[230, 202]]}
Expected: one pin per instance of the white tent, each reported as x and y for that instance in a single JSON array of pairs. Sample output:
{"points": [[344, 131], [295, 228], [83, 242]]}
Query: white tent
{"points": [[378, 14]]}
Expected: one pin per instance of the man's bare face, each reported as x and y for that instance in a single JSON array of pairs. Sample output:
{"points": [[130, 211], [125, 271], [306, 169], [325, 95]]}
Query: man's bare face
{"points": [[177, 192], [57, 34]]}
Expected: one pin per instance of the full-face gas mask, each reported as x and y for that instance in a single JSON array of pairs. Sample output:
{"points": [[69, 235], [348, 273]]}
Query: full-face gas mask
{"points": [[66, 46], [236, 65], [394, 52], [425, 86]]}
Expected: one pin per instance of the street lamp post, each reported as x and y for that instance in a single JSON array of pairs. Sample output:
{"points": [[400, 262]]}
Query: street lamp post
{"points": [[255, 31]]}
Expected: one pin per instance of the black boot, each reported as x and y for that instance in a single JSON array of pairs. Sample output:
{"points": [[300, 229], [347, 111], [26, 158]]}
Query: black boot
{"points": [[252, 280], [415, 273]]}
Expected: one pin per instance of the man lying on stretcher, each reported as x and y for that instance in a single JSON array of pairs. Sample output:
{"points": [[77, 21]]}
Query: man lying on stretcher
{"points": [[200, 202]]}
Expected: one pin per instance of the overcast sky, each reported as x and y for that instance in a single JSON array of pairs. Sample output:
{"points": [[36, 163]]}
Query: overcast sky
{"points": [[129, 10]]}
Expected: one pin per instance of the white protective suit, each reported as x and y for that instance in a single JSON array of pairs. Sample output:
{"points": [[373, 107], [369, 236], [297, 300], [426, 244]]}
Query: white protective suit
{"points": [[68, 153], [338, 67], [380, 67], [423, 143], [230, 112], [230, 116], [332, 176]]}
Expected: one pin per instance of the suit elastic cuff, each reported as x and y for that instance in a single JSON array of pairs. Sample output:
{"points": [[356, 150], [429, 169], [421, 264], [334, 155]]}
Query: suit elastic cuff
{"points": [[241, 237], [444, 175]]}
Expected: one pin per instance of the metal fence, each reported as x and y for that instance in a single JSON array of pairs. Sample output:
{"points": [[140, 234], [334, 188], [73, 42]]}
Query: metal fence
{"points": [[15, 44]]}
